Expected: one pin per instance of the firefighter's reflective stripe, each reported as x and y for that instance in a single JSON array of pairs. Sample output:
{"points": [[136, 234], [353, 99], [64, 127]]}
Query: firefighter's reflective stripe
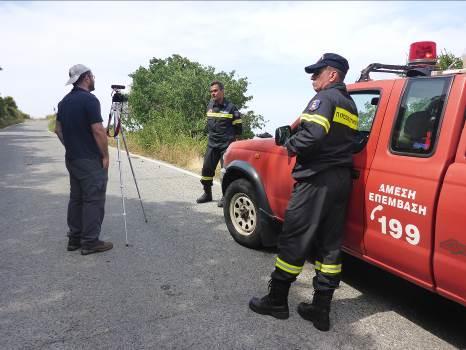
{"points": [[219, 115], [329, 269], [344, 117], [282, 265], [316, 118], [207, 177], [237, 121]]}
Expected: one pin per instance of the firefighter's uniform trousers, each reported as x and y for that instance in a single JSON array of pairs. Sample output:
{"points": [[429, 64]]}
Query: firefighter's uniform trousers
{"points": [[212, 156], [315, 219]]}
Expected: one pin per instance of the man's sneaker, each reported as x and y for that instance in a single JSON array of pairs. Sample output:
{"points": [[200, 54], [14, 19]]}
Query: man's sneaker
{"points": [[100, 247], [73, 244], [221, 202]]}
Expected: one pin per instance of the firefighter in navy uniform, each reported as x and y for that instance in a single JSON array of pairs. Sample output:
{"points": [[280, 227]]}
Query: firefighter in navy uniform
{"points": [[315, 217], [224, 127]]}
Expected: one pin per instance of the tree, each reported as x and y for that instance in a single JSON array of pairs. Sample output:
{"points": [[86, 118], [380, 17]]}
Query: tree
{"points": [[172, 95], [9, 112], [448, 60], [366, 117]]}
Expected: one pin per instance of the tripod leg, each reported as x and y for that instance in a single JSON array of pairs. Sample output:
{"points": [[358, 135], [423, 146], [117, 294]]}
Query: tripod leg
{"points": [[132, 171], [121, 186]]}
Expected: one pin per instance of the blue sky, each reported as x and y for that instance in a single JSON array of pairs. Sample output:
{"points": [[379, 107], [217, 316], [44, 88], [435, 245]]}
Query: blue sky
{"points": [[267, 42]]}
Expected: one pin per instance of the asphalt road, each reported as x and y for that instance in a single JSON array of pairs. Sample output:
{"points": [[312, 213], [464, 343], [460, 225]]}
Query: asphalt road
{"points": [[183, 283]]}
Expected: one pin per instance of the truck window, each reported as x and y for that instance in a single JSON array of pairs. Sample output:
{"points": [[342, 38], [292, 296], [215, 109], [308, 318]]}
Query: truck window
{"points": [[366, 103], [419, 115]]}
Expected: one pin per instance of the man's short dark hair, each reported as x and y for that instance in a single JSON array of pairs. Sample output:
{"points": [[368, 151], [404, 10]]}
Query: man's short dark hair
{"points": [[340, 73], [81, 78], [216, 82]]}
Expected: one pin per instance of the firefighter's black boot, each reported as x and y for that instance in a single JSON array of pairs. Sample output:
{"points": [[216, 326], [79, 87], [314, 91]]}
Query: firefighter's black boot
{"points": [[206, 196], [319, 311], [275, 303]]}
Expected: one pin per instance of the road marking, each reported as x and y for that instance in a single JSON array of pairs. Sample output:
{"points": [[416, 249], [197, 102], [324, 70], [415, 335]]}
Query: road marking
{"points": [[187, 172]]}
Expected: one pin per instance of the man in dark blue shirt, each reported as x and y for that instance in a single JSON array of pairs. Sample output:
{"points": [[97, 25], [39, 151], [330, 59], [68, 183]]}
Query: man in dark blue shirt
{"points": [[79, 128]]}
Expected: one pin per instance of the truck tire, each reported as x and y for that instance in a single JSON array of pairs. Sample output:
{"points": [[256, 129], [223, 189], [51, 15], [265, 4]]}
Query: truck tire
{"points": [[241, 213]]}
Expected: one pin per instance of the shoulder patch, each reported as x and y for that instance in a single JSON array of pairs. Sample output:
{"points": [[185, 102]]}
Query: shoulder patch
{"points": [[314, 105]]}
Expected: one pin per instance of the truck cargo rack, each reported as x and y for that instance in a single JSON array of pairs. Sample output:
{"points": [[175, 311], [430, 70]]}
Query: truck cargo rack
{"points": [[408, 71]]}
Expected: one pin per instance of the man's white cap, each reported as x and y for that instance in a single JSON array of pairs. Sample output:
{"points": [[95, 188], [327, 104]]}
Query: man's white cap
{"points": [[75, 72]]}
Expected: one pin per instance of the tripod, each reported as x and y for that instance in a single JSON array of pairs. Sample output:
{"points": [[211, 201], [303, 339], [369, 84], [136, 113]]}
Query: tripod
{"points": [[119, 107]]}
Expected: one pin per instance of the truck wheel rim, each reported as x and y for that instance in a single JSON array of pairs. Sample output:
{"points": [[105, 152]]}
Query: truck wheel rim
{"points": [[243, 214]]}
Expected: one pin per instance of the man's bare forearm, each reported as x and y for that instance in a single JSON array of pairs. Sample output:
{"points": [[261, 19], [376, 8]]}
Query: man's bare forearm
{"points": [[100, 137], [102, 143]]}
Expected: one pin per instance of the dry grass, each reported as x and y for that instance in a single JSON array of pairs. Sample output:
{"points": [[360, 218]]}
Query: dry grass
{"points": [[179, 155], [51, 124], [183, 156]]}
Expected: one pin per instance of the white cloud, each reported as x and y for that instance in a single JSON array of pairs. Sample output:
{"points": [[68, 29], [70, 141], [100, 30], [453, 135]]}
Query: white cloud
{"points": [[269, 42]]}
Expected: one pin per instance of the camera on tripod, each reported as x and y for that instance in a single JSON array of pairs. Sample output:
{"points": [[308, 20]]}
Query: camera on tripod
{"points": [[117, 96], [118, 108]]}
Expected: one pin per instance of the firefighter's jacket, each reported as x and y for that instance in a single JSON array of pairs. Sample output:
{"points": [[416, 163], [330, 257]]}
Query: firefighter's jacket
{"points": [[325, 135], [223, 123]]}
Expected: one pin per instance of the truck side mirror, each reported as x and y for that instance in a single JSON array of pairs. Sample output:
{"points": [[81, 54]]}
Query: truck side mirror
{"points": [[282, 134], [360, 141]]}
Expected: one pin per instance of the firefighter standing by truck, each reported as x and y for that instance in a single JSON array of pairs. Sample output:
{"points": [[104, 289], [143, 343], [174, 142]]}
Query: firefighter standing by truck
{"points": [[316, 212], [224, 126]]}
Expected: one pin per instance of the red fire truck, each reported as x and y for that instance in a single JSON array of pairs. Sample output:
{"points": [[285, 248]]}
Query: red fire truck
{"points": [[407, 212]]}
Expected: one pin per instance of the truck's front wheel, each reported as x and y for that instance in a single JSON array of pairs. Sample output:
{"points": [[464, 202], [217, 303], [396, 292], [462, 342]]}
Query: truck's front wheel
{"points": [[241, 213]]}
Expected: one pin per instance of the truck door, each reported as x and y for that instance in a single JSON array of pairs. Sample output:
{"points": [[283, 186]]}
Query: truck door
{"points": [[371, 99], [450, 228], [405, 177]]}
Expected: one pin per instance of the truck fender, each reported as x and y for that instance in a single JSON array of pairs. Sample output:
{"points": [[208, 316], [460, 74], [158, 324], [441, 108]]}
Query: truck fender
{"points": [[239, 169]]}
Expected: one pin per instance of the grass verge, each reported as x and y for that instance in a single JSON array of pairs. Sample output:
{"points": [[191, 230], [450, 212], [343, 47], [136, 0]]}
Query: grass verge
{"points": [[4, 122], [183, 151], [186, 153], [51, 124]]}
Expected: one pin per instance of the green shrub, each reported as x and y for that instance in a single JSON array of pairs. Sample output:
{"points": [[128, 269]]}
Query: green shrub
{"points": [[9, 112], [174, 93], [167, 109], [51, 124], [166, 140]]}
